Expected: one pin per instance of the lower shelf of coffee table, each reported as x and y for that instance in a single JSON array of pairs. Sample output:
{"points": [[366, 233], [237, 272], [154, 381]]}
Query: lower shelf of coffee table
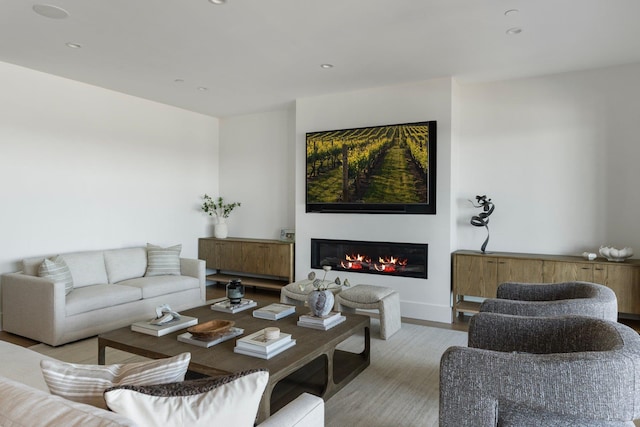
{"points": [[314, 377]]}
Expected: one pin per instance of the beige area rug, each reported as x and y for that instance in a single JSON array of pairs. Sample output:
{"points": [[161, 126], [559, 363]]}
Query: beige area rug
{"points": [[399, 388]]}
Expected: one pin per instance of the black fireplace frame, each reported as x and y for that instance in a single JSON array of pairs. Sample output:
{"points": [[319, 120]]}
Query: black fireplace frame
{"points": [[318, 263]]}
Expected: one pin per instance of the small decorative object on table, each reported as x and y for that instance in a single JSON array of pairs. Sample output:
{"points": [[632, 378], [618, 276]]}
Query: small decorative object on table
{"points": [[590, 256], [235, 291], [206, 343], [211, 329], [321, 299], [615, 255], [165, 322], [217, 208], [482, 219]]}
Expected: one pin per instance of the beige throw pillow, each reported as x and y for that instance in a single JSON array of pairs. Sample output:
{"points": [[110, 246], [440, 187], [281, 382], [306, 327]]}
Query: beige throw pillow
{"points": [[226, 401], [87, 383], [56, 270], [163, 261]]}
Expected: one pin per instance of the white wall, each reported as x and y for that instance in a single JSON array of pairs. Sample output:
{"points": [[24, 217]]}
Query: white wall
{"points": [[431, 100], [87, 168], [257, 153], [559, 157]]}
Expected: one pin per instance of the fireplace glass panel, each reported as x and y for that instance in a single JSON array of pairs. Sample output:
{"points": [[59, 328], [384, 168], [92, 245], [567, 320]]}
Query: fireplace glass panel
{"points": [[387, 258]]}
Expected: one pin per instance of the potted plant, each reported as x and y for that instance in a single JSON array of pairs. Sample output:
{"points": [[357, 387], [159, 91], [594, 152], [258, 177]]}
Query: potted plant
{"points": [[321, 299], [220, 210]]}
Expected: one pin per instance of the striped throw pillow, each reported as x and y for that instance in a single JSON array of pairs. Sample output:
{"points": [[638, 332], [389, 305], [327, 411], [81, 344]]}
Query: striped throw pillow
{"points": [[56, 270], [163, 261], [87, 383]]}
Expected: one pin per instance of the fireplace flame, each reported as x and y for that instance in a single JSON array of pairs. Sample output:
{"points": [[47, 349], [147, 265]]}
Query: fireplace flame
{"points": [[389, 264]]}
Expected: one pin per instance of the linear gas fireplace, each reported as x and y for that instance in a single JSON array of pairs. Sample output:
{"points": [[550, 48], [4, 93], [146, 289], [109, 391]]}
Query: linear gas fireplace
{"points": [[391, 259]]}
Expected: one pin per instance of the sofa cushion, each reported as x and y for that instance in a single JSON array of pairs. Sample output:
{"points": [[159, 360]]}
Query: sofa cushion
{"points": [[162, 285], [23, 365], [124, 264], [227, 401], [87, 383], [89, 298], [56, 270], [163, 261], [26, 406], [87, 268]]}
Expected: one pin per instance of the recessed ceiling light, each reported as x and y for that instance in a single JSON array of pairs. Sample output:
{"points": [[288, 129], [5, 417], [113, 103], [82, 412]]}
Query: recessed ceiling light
{"points": [[203, 89], [511, 12], [514, 31], [48, 11], [73, 45], [326, 66], [179, 80], [218, 1]]}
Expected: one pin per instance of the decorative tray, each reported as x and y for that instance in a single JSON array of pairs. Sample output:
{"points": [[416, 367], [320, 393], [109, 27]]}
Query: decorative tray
{"points": [[211, 329]]}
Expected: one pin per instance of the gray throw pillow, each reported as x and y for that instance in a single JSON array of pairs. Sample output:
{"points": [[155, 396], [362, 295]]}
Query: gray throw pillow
{"points": [[56, 270], [163, 261]]}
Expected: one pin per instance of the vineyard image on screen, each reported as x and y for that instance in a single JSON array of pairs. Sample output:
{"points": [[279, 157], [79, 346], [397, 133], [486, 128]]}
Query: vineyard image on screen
{"points": [[382, 165]]}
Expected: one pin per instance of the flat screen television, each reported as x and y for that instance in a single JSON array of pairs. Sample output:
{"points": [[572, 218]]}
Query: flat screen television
{"points": [[389, 169]]}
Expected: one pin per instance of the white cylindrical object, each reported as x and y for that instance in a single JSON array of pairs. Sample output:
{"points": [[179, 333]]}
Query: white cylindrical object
{"points": [[271, 333]]}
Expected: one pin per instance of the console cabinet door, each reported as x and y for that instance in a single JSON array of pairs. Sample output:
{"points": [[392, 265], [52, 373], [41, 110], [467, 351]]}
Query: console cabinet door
{"points": [[519, 270], [624, 280], [476, 275], [560, 271]]}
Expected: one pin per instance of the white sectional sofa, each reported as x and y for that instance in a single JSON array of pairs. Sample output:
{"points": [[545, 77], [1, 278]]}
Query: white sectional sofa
{"points": [[111, 289], [25, 400]]}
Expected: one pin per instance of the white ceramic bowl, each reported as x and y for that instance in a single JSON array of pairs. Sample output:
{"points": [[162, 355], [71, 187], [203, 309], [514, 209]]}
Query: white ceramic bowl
{"points": [[615, 255]]}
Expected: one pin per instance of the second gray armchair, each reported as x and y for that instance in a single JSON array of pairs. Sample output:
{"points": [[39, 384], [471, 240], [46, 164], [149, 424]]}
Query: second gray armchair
{"points": [[555, 299]]}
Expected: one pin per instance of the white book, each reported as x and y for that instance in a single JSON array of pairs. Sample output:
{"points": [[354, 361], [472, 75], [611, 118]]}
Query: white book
{"points": [[324, 320], [257, 342], [321, 327], [226, 306], [274, 311], [190, 339], [146, 327], [266, 356]]}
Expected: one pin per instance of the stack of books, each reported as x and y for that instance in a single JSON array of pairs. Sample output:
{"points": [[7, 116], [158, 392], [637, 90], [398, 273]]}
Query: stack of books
{"points": [[165, 328], [190, 339], [323, 323], [274, 311], [226, 306], [257, 346]]}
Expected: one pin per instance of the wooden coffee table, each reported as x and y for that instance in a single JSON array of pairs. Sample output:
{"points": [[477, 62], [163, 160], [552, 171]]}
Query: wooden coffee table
{"points": [[313, 365]]}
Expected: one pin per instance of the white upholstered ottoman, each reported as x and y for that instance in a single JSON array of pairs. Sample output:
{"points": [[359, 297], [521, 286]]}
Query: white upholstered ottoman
{"points": [[368, 297], [296, 293]]}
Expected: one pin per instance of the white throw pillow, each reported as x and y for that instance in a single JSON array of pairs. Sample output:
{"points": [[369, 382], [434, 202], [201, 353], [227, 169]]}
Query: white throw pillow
{"points": [[57, 270], [163, 261], [226, 401], [87, 383]]}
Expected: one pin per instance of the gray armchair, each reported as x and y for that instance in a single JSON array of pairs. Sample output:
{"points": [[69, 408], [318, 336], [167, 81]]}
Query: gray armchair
{"points": [[555, 299], [541, 371]]}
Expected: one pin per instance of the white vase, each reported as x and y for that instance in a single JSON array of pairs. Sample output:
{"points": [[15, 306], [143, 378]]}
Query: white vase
{"points": [[220, 231], [321, 302]]}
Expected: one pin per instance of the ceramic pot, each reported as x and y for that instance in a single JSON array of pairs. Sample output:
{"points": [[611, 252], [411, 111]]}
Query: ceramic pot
{"points": [[321, 302], [220, 231]]}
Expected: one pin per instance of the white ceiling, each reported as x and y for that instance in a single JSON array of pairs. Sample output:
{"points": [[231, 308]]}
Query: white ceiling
{"points": [[256, 55]]}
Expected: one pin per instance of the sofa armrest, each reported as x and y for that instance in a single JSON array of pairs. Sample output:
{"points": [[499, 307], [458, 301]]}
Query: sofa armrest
{"points": [[33, 307], [195, 268], [306, 410]]}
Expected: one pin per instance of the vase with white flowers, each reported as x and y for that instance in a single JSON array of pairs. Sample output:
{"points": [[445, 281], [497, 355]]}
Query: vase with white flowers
{"points": [[321, 299], [220, 210]]}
